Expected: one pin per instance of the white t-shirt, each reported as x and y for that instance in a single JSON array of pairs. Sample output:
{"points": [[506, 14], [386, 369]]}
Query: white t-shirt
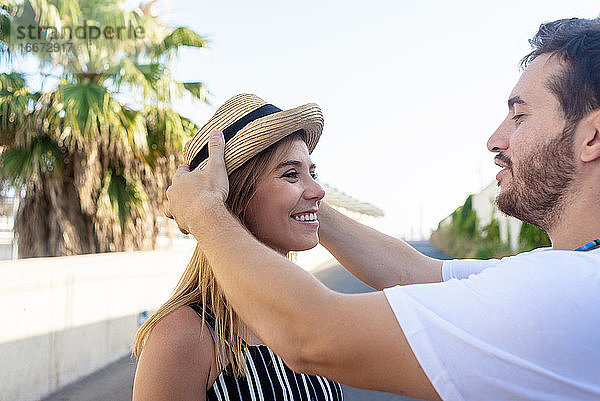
{"points": [[525, 327]]}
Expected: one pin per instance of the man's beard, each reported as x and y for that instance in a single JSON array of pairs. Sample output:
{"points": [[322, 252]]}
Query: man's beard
{"points": [[538, 191]]}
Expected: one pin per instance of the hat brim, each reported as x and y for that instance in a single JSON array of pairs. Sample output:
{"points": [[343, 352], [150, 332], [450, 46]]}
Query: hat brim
{"points": [[265, 131]]}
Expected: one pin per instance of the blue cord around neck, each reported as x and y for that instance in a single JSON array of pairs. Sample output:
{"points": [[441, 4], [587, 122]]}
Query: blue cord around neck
{"points": [[589, 246]]}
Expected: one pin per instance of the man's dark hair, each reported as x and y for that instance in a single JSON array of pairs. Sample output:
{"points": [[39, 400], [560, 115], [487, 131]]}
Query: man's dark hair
{"points": [[576, 42]]}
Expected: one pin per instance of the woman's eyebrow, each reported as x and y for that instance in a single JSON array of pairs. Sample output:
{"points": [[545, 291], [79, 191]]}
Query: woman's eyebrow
{"points": [[295, 163]]}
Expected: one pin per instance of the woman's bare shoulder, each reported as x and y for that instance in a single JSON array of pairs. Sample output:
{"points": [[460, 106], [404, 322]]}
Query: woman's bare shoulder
{"points": [[182, 326], [176, 360]]}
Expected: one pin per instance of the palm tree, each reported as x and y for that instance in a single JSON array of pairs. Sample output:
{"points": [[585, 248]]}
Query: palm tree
{"points": [[93, 155]]}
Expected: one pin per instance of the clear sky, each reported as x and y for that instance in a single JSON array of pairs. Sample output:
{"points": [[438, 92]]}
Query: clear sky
{"points": [[410, 90]]}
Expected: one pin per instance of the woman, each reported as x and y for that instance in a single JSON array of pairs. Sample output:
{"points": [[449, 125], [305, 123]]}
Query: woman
{"points": [[195, 346]]}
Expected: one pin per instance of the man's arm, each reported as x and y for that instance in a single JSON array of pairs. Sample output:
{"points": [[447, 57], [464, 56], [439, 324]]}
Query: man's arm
{"points": [[376, 259], [354, 339]]}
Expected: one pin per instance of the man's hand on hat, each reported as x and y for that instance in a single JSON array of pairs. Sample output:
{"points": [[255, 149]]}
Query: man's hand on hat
{"points": [[193, 194]]}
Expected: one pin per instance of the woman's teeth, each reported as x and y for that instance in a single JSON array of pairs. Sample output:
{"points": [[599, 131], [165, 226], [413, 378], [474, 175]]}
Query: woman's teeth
{"points": [[306, 217]]}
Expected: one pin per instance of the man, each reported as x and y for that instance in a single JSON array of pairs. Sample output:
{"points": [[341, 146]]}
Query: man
{"points": [[524, 327]]}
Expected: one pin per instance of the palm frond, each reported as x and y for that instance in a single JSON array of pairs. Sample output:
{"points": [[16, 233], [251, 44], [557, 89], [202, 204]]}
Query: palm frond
{"points": [[70, 12], [11, 81], [6, 51], [180, 36], [153, 71], [122, 197], [138, 199], [5, 24], [7, 5], [16, 103], [152, 83], [84, 105], [197, 90], [16, 164], [168, 131], [139, 76], [45, 12], [184, 37], [134, 130], [42, 155]]}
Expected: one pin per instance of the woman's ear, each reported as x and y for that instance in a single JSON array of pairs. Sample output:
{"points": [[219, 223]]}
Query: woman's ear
{"points": [[591, 146]]}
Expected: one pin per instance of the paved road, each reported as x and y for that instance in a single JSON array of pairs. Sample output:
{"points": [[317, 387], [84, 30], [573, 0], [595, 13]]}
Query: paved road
{"points": [[114, 382]]}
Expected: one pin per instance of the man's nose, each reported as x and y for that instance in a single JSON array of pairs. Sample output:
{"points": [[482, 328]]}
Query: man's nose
{"points": [[498, 142]]}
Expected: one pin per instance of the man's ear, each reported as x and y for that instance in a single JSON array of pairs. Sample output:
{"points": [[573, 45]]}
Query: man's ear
{"points": [[591, 146]]}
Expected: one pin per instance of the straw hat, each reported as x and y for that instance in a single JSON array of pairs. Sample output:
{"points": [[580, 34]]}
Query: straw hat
{"points": [[250, 125]]}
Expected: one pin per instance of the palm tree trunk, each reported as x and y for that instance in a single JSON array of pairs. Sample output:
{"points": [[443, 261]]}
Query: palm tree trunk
{"points": [[52, 220], [49, 221]]}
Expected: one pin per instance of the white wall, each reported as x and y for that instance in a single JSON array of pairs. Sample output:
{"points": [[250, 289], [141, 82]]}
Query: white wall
{"points": [[315, 259], [64, 318]]}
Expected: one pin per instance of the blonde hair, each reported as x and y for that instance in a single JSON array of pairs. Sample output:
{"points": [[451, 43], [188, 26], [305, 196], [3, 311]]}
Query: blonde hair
{"points": [[198, 284]]}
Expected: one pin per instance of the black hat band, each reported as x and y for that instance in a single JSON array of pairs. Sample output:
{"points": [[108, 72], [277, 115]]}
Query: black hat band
{"points": [[233, 129]]}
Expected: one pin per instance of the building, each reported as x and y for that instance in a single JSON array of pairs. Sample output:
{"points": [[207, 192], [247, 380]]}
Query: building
{"points": [[9, 205], [484, 205]]}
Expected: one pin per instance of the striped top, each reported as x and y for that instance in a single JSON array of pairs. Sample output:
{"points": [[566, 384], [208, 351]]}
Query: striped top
{"points": [[268, 378]]}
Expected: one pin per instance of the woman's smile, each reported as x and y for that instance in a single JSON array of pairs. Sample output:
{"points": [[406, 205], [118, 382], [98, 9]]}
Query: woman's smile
{"points": [[308, 218]]}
